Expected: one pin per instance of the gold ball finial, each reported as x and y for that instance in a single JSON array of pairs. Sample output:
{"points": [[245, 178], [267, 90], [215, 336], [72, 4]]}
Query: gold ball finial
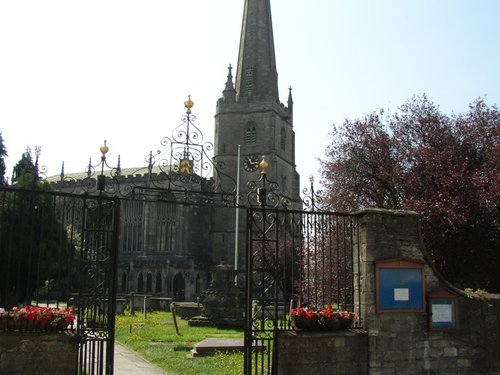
{"points": [[188, 104], [104, 149], [263, 165]]}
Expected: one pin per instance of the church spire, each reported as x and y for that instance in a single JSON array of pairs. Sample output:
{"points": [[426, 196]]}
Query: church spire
{"points": [[229, 92], [256, 78], [290, 105]]}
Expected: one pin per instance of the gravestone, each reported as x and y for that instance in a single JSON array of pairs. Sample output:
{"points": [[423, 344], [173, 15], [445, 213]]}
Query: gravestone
{"points": [[223, 304]]}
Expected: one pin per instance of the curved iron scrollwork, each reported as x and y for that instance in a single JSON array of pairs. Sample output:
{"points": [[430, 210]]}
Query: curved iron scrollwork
{"points": [[98, 178], [266, 193], [314, 200], [183, 196], [186, 164], [186, 161], [182, 163]]}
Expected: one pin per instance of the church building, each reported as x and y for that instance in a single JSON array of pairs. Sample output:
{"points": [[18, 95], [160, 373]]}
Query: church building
{"points": [[169, 245]]}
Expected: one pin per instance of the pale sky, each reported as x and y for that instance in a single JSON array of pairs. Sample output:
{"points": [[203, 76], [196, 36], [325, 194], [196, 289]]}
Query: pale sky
{"points": [[73, 73]]}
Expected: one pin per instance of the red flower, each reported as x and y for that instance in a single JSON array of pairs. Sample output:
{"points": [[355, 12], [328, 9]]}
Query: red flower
{"points": [[326, 313], [45, 314], [306, 312]]}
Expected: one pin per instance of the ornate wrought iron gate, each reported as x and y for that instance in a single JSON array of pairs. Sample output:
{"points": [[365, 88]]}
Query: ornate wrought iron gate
{"points": [[96, 299], [59, 250], [294, 258]]}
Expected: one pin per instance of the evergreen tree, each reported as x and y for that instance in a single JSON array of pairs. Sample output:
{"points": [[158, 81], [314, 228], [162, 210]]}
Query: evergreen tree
{"points": [[25, 173], [3, 154]]}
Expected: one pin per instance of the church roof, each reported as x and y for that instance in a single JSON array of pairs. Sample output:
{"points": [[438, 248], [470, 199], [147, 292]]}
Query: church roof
{"points": [[125, 172]]}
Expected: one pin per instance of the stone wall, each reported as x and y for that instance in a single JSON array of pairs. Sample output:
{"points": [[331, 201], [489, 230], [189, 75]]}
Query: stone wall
{"points": [[342, 352], [25, 353], [401, 343], [398, 342]]}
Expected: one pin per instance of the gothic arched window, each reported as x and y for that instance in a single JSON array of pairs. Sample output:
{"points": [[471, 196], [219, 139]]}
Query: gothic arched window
{"points": [[251, 133], [133, 212], [158, 283], [165, 226], [140, 283], [124, 282], [149, 283]]}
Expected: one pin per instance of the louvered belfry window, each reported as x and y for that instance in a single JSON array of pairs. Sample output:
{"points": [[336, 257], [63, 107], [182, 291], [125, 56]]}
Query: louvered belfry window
{"points": [[251, 134]]}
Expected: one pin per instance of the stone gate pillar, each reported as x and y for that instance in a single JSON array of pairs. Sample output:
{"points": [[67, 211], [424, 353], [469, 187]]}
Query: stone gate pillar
{"points": [[386, 235]]}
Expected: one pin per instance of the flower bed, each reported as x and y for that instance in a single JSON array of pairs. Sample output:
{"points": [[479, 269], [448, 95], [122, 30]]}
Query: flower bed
{"points": [[325, 319], [35, 318]]}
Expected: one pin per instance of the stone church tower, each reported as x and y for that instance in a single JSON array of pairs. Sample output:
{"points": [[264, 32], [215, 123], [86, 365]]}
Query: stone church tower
{"points": [[168, 248], [250, 113], [250, 116]]}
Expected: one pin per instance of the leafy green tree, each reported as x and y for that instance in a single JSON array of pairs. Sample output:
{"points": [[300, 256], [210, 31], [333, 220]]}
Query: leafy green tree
{"points": [[446, 168]]}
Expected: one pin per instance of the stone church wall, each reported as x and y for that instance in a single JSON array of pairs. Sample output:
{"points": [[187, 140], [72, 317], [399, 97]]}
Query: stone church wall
{"points": [[399, 342], [179, 270]]}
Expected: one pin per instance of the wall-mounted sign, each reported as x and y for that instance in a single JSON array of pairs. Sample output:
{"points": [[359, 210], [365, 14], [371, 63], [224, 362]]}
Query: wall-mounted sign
{"points": [[400, 286], [443, 310]]}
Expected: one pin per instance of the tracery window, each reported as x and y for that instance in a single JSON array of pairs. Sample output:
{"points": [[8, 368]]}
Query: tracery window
{"points": [[165, 226], [133, 231]]}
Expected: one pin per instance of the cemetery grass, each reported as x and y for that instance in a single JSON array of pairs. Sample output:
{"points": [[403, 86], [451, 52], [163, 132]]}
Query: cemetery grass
{"points": [[157, 341]]}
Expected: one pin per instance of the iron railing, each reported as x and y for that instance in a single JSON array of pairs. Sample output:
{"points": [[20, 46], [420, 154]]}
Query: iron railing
{"points": [[294, 258], [59, 250]]}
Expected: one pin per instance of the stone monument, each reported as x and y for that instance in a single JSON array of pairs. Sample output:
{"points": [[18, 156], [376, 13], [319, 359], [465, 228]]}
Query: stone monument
{"points": [[223, 304]]}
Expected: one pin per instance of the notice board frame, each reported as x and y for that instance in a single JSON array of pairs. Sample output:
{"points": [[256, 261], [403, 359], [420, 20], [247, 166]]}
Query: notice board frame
{"points": [[448, 301], [400, 286]]}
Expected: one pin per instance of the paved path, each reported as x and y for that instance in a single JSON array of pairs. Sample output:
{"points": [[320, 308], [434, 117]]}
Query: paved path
{"points": [[127, 362]]}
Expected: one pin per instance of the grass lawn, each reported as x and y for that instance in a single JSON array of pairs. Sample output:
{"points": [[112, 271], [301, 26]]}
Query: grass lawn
{"points": [[158, 342]]}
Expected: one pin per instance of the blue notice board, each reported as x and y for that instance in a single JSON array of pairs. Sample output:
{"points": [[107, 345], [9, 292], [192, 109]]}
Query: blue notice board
{"points": [[400, 288]]}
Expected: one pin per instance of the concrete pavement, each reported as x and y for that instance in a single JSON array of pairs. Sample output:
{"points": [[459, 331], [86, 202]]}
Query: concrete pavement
{"points": [[127, 362]]}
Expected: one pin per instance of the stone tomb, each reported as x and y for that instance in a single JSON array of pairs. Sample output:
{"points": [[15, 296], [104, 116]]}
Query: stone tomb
{"points": [[212, 346], [223, 302]]}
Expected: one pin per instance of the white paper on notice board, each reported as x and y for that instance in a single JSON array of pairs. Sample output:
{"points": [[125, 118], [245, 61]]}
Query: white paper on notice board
{"points": [[401, 294], [442, 313]]}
